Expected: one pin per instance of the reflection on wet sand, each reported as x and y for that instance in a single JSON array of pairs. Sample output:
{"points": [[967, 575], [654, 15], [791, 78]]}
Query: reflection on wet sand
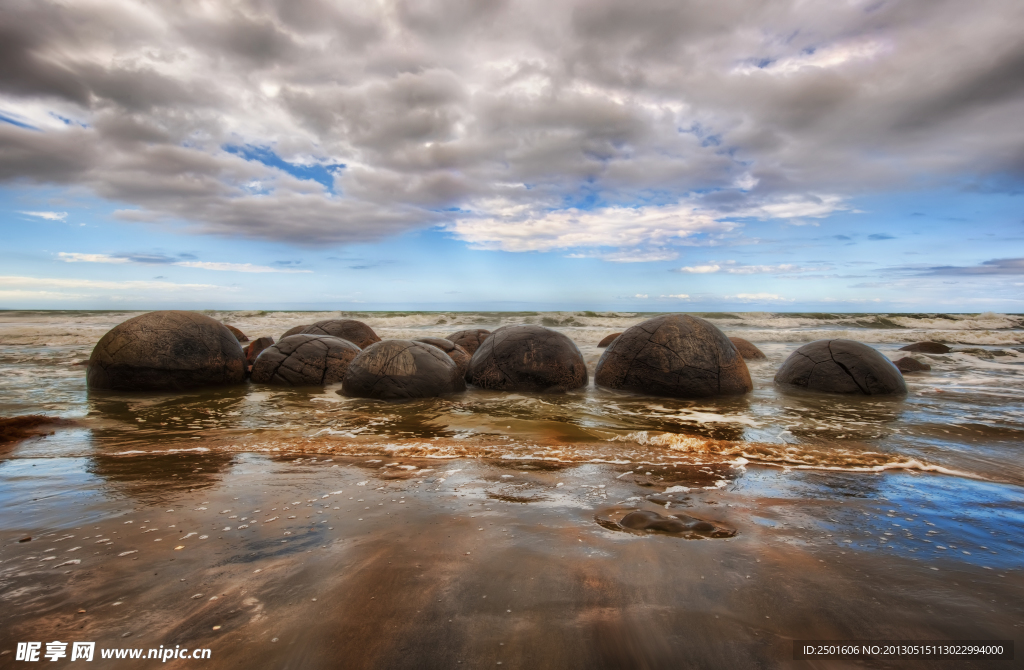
{"points": [[322, 562]]}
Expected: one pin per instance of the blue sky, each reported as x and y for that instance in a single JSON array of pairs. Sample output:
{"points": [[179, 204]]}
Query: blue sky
{"points": [[537, 156]]}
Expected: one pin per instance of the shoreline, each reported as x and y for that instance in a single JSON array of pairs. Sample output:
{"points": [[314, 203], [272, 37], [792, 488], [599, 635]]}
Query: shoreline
{"points": [[387, 579]]}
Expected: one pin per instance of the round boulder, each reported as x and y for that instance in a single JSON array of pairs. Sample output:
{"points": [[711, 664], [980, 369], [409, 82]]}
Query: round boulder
{"points": [[527, 358], [608, 340], [294, 331], [304, 360], [927, 348], [166, 351], [841, 366], [239, 335], [908, 364], [747, 350], [256, 347], [470, 340], [675, 355], [402, 369], [459, 355], [356, 332]]}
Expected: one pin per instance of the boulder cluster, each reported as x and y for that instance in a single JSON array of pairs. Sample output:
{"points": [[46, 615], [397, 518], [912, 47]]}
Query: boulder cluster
{"points": [[673, 355]]}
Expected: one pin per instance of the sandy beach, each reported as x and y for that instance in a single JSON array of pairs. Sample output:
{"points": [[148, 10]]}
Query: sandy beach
{"points": [[304, 562]]}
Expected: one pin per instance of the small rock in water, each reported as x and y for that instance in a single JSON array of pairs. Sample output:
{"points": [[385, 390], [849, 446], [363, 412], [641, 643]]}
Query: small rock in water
{"points": [[908, 364], [927, 348], [676, 524]]}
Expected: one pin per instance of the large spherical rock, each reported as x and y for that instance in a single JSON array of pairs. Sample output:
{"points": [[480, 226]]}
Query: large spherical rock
{"points": [[356, 332], [841, 366], [675, 355], [304, 360], [608, 339], [295, 330], [459, 355], [527, 358], [469, 340], [747, 350], [242, 337], [908, 364], [401, 369], [256, 347], [166, 351]]}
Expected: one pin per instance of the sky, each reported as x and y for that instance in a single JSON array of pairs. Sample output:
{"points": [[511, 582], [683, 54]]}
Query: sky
{"points": [[670, 155]]}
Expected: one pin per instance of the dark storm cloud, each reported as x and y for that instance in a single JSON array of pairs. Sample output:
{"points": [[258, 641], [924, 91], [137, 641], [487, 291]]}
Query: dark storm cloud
{"points": [[499, 113]]}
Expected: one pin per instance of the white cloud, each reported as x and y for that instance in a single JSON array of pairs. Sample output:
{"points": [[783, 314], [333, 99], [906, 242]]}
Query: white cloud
{"points": [[237, 267], [641, 295], [49, 216], [623, 227], [71, 257], [829, 57], [757, 297], [677, 296], [35, 283], [700, 269], [731, 267]]}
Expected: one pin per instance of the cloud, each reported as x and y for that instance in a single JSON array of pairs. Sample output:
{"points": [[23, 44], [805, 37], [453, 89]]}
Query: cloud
{"points": [[731, 267], [642, 296], [158, 259], [49, 216], [881, 236], [757, 297], [997, 266], [332, 123], [36, 283], [700, 269], [677, 296], [236, 267]]}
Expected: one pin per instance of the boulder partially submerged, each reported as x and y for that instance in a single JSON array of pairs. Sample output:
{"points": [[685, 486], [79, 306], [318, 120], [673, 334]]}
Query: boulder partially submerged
{"points": [[458, 355], [304, 360], [675, 355], [527, 358], [841, 366], [354, 331], [608, 339], [166, 351], [400, 370], [927, 348], [256, 347], [908, 364], [470, 340], [747, 350], [295, 330], [239, 335]]}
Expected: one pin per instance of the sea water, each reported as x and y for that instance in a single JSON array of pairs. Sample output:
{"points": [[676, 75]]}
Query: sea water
{"points": [[964, 417]]}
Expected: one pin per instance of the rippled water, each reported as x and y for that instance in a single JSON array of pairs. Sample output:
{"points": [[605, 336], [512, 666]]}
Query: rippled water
{"points": [[965, 416]]}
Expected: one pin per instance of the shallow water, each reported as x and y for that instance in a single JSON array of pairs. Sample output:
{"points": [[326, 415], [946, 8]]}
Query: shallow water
{"points": [[965, 416]]}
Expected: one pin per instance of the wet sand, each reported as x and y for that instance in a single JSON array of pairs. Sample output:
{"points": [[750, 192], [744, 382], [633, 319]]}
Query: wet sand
{"points": [[380, 564]]}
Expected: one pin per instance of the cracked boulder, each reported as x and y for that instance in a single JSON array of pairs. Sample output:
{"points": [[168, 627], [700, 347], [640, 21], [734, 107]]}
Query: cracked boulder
{"points": [[459, 355], [256, 347], [675, 355], [747, 350], [295, 331], [527, 358], [470, 340], [304, 360], [166, 351], [841, 366], [402, 369], [356, 332]]}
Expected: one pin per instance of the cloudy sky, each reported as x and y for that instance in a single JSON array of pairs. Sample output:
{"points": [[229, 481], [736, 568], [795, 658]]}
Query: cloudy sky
{"points": [[829, 155]]}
